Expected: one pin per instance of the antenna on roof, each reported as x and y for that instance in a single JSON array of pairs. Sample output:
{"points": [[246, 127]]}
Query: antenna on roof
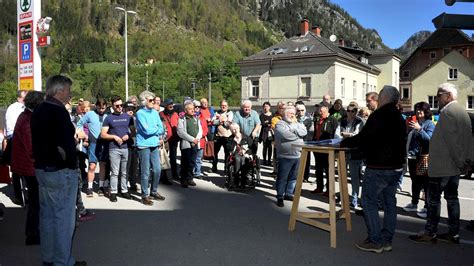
{"points": [[332, 38]]}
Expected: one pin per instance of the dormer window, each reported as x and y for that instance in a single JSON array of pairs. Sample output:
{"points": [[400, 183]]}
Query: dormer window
{"points": [[364, 60], [406, 73], [433, 55]]}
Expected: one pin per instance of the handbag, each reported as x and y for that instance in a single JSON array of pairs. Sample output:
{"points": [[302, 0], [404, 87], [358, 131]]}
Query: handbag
{"points": [[164, 159], [208, 150], [422, 165]]}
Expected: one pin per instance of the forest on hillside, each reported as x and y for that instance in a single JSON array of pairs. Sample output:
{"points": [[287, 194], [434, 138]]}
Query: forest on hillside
{"points": [[185, 39]]}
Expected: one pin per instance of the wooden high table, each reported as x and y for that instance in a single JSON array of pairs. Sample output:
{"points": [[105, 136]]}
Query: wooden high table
{"points": [[334, 152]]}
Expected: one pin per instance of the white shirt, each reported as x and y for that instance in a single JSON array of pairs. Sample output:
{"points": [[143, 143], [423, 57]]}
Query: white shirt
{"points": [[12, 114]]}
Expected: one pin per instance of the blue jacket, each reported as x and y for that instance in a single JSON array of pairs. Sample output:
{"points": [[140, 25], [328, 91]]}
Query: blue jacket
{"points": [[149, 128], [420, 140]]}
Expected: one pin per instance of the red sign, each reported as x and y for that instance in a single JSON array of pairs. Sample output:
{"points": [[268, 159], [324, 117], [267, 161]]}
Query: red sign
{"points": [[43, 41], [26, 15]]}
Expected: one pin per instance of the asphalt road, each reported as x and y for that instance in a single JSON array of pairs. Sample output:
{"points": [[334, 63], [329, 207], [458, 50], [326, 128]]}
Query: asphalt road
{"points": [[208, 225]]}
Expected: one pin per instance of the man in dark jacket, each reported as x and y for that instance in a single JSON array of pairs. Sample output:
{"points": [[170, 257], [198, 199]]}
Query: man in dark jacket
{"points": [[54, 151], [382, 142], [324, 128]]}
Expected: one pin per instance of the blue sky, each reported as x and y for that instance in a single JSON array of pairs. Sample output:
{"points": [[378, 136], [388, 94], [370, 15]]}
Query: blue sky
{"points": [[397, 20]]}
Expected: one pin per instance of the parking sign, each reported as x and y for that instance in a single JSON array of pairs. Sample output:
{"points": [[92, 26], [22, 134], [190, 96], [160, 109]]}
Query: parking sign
{"points": [[26, 51]]}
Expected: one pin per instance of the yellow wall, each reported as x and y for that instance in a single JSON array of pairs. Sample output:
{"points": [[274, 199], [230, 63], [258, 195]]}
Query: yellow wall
{"points": [[350, 74], [390, 71], [427, 83]]}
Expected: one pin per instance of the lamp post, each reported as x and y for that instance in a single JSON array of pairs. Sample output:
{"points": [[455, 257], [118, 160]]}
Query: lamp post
{"points": [[126, 45]]}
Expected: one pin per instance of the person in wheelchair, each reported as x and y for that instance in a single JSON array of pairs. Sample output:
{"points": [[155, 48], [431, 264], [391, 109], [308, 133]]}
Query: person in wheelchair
{"points": [[240, 159]]}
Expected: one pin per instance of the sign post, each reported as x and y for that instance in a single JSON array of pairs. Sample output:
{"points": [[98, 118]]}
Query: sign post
{"points": [[29, 60]]}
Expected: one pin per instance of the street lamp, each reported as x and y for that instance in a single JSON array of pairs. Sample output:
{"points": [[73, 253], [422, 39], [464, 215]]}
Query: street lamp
{"points": [[126, 49]]}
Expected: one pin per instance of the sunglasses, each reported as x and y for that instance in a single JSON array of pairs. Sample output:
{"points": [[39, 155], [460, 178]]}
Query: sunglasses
{"points": [[197, 106], [150, 100], [351, 111], [118, 105]]}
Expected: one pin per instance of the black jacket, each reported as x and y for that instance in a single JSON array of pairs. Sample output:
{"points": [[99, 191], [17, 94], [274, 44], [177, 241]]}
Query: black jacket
{"points": [[328, 128], [383, 139], [52, 134]]}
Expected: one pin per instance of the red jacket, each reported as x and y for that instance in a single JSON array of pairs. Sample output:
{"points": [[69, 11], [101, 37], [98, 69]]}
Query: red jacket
{"points": [[171, 123], [22, 149]]}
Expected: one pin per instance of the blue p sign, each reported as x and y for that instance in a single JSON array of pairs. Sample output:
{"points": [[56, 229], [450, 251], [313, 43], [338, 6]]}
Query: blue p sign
{"points": [[26, 51]]}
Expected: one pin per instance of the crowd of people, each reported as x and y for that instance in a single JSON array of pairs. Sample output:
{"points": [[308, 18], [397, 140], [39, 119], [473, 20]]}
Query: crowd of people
{"points": [[54, 149]]}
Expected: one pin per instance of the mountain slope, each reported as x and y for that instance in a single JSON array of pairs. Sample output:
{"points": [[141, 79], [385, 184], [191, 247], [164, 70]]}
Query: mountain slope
{"points": [[412, 43]]}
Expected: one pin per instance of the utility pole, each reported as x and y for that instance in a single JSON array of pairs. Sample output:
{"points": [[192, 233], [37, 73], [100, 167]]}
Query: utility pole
{"points": [[194, 89], [163, 88], [210, 88], [147, 86]]}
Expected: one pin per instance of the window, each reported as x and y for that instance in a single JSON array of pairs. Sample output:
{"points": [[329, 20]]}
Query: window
{"points": [[406, 73], [453, 73], [433, 55], [305, 87], [433, 101], [470, 102], [343, 87], [363, 90], [405, 93], [254, 88], [354, 89]]}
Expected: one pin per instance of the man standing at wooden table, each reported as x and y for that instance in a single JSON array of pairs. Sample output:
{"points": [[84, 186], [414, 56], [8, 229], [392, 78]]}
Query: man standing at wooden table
{"points": [[382, 142]]}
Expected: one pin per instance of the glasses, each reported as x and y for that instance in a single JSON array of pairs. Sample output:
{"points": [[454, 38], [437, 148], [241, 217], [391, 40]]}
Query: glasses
{"points": [[441, 93], [197, 106], [118, 105], [351, 111], [151, 100], [300, 110]]}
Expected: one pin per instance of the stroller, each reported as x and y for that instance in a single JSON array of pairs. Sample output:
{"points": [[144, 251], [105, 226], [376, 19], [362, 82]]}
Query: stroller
{"points": [[243, 168]]}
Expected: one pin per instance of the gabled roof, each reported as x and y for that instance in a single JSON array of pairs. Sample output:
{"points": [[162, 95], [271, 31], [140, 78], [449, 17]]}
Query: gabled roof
{"points": [[454, 52], [442, 38], [446, 38], [308, 46], [383, 52]]}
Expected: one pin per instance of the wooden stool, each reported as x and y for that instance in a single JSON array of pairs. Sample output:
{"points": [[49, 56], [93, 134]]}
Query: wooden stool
{"points": [[332, 215]]}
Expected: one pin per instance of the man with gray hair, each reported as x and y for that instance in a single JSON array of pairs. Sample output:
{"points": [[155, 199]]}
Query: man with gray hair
{"points": [[54, 151], [249, 122], [450, 155], [382, 142]]}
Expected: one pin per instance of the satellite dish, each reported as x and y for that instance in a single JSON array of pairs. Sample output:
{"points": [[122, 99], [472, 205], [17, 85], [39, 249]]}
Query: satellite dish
{"points": [[332, 38]]}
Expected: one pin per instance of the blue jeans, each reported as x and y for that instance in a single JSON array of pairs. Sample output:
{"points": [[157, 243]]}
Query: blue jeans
{"points": [[380, 184], [149, 156], [286, 177], [118, 162], [355, 167], [437, 185], [57, 196], [197, 167]]}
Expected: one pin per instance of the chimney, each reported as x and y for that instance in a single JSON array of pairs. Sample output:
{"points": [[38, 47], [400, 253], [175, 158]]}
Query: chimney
{"points": [[316, 30], [304, 27], [341, 42]]}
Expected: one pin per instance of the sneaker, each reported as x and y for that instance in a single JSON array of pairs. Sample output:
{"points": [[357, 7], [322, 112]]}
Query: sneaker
{"points": [[369, 246], [87, 216], [280, 203], [89, 193], [410, 207], [423, 238], [126, 195], [288, 197], [446, 237], [113, 197], [191, 183], [101, 192], [386, 246], [147, 201], [157, 196], [422, 213]]}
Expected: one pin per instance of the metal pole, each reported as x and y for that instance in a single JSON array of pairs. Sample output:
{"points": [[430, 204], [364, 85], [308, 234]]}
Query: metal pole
{"points": [[126, 58], [210, 88]]}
